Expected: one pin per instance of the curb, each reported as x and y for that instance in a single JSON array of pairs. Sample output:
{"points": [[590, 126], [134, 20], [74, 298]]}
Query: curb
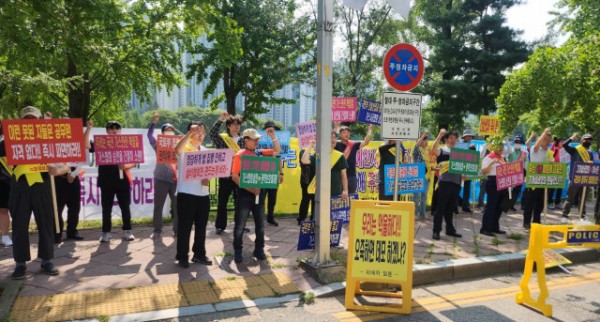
{"points": [[11, 290]]}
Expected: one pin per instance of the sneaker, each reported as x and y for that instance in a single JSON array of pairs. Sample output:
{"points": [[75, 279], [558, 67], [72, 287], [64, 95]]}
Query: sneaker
{"points": [[259, 254], [19, 272], [564, 220], [436, 236], [58, 238], [272, 222], [156, 234], [105, 238], [183, 263], [202, 260], [128, 235], [49, 269], [237, 257], [527, 226], [75, 237], [219, 231], [246, 229], [551, 207], [340, 246], [6, 241]]}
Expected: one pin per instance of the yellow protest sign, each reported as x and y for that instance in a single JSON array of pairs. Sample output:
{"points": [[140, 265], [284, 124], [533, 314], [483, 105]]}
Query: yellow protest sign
{"points": [[489, 125], [380, 250]]}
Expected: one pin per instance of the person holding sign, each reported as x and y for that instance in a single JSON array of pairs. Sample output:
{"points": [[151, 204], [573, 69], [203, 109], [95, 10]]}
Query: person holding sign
{"points": [[448, 185], [227, 140], [420, 154], [518, 154], [578, 154], [30, 192], [248, 199], [193, 202], [490, 224], [271, 194], [165, 181], [114, 180], [5, 176], [386, 154], [534, 197], [307, 175], [349, 149], [464, 201]]}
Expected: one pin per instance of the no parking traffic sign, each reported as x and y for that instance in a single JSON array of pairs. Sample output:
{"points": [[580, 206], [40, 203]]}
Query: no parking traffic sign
{"points": [[403, 67]]}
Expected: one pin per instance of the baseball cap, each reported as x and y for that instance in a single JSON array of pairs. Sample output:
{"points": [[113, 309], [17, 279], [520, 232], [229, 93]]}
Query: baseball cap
{"points": [[519, 139], [251, 133], [271, 124], [31, 111], [165, 126], [587, 136], [467, 133], [113, 124]]}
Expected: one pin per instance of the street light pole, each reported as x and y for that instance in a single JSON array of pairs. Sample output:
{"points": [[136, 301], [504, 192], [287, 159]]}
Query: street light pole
{"points": [[324, 89]]}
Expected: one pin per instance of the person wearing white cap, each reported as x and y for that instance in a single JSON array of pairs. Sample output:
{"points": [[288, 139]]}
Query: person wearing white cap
{"points": [[578, 154], [246, 199], [467, 136], [165, 181]]}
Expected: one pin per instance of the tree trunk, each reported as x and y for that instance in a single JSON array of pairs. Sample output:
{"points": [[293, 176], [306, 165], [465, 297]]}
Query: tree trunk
{"points": [[229, 90], [79, 94]]}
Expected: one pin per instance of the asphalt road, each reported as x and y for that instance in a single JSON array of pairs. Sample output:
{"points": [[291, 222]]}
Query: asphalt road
{"points": [[574, 298]]}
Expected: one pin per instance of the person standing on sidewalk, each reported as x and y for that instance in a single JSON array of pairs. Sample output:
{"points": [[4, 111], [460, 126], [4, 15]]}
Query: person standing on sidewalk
{"points": [[466, 190], [249, 198], [518, 153], [386, 155], [578, 154], [339, 180], [490, 224], [114, 180], [6, 172], [559, 155], [193, 202], [227, 140], [307, 173], [30, 192], [534, 197], [165, 181], [448, 185], [271, 194], [420, 154], [349, 149]]}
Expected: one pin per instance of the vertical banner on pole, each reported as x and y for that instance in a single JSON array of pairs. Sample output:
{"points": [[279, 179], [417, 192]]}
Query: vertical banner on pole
{"points": [[380, 250]]}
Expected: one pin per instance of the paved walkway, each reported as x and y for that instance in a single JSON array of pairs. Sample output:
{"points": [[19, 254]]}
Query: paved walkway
{"points": [[91, 270]]}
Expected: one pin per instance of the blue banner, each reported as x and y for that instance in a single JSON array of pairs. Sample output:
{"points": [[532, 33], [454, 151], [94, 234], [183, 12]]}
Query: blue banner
{"points": [[583, 236], [284, 140], [340, 209], [306, 239], [369, 112], [411, 178]]}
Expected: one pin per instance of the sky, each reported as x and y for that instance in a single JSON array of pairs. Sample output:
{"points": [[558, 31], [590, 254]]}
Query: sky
{"points": [[531, 17]]}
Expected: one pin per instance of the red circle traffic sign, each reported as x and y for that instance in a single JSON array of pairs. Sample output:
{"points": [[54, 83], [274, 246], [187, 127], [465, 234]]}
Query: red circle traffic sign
{"points": [[403, 67]]}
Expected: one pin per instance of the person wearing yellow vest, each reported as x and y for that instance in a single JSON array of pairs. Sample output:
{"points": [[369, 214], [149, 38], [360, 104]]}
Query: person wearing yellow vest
{"points": [[578, 154], [307, 175], [339, 180], [349, 148], [420, 154], [386, 154], [227, 140], [5, 175], [448, 185], [30, 192], [114, 180]]}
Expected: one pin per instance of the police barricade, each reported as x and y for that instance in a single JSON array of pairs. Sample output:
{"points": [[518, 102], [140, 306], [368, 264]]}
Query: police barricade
{"points": [[573, 236], [380, 250]]}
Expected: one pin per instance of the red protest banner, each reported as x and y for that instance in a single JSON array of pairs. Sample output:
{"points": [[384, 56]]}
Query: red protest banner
{"points": [[343, 109], [509, 175], [165, 148], [43, 141], [118, 149]]}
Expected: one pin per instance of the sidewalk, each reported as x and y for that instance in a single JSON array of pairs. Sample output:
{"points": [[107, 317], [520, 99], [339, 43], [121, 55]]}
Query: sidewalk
{"points": [[142, 275]]}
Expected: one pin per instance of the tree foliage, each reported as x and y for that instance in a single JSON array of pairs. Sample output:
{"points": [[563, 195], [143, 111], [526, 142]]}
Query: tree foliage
{"points": [[255, 49], [559, 87], [84, 58]]}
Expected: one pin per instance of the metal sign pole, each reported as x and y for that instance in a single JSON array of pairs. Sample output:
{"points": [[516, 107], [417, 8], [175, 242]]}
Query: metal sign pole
{"points": [[324, 89]]}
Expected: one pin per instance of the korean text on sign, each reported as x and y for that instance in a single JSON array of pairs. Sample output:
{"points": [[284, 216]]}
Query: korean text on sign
{"points": [[586, 174], [306, 131], [343, 109], [401, 116], [43, 141], [509, 175], [306, 238], [206, 164], [464, 161], [118, 149], [369, 112], [259, 172], [546, 174], [165, 148], [489, 125], [340, 209], [411, 178]]}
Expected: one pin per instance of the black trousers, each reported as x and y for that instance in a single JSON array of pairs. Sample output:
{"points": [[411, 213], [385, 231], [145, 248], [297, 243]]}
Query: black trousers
{"points": [[246, 203], [554, 196], [304, 203], [493, 209], [192, 210], [22, 201], [447, 195], [226, 188], [271, 196], [534, 204], [466, 195], [68, 194], [108, 193]]}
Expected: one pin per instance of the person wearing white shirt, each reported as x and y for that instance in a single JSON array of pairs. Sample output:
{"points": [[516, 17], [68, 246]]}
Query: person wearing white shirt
{"points": [[193, 202], [490, 223], [534, 197]]}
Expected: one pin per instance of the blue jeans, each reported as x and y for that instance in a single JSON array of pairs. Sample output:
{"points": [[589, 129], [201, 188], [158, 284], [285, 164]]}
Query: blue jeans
{"points": [[245, 203]]}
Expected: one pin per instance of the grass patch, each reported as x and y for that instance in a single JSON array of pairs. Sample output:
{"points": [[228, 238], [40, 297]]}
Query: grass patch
{"points": [[307, 297], [231, 278], [103, 318], [424, 261], [278, 265], [339, 257], [496, 241], [515, 236]]}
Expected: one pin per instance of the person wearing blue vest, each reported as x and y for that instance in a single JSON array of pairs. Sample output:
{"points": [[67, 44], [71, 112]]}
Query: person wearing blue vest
{"points": [[578, 154]]}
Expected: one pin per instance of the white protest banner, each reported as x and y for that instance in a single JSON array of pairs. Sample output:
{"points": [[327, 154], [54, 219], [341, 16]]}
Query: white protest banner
{"points": [[306, 131], [206, 164]]}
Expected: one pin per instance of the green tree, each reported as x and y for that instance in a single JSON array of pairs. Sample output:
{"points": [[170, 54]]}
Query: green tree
{"points": [[84, 58], [256, 48]]}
